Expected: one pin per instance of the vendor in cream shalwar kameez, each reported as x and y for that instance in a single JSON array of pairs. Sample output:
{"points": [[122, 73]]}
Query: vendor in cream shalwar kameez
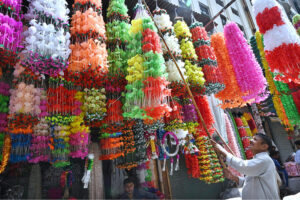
{"points": [[261, 177]]}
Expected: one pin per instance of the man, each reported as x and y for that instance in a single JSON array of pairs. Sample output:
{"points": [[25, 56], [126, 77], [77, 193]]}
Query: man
{"points": [[297, 156], [261, 176], [132, 193]]}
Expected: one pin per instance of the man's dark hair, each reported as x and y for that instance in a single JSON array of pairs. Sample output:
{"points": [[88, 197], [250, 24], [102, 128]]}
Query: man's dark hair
{"points": [[265, 140], [297, 142], [128, 180]]}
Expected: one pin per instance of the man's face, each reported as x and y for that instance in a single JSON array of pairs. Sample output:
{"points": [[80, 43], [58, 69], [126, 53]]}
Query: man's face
{"points": [[257, 145], [129, 187]]}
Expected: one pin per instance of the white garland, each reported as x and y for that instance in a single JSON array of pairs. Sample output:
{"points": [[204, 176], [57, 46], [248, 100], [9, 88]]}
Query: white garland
{"points": [[163, 21], [172, 43], [278, 35], [55, 8], [173, 74], [42, 38]]}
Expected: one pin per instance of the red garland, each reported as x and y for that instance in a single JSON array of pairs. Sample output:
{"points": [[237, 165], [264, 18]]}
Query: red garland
{"points": [[61, 100], [175, 114], [191, 162], [114, 111], [151, 41], [205, 111], [295, 90], [244, 137], [268, 18], [288, 64]]}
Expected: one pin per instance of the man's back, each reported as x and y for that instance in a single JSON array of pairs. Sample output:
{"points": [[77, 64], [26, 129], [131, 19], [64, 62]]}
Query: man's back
{"points": [[263, 185]]}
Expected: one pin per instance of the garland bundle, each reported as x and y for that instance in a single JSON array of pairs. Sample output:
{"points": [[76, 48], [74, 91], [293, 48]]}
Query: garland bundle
{"points": [[244, 137], [206, 59], [282, 44], [47, 38], [247, 71], [250, 122], [231, 96], [88, 38], [194, 73], [10, 32], [283, 102]]}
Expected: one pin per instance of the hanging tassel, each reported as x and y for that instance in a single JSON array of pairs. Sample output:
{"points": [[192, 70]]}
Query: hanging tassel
{"points": [[171, 171], [165, 160], [87, 175], [177, 163]]}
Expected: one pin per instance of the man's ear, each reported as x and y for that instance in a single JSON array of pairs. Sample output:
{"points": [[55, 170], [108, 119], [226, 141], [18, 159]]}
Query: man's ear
{"points": [[265, 147]]}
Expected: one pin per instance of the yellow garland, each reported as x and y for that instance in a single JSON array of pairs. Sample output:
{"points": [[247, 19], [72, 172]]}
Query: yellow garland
{"points": [[194, 74], [246, 125], [5, 152], [248, 117], [135, 69], [182, 30], [137, 26], [276, 99]]}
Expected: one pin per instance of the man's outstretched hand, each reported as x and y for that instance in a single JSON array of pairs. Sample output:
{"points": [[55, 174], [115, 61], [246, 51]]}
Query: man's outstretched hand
{"points": [[219, 149]]}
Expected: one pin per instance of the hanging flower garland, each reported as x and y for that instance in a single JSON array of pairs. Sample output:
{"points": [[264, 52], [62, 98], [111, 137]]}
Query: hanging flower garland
{"points": [[94, 104], [282, 44], [209, 165], [194, 73], [278, 104], [39, 148], [47, 38], [296, 22], [236, 131], [251, 123], [5, 140], [206, 59], [294, 88], [246, 126], [10, 32], [88, 38], [140, 142], [231, 96], [248, 73], [244, 137]]}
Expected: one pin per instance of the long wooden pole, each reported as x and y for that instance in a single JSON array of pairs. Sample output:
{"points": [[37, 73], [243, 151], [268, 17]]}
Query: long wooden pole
{"points": [[184, 81], [220, 12]]}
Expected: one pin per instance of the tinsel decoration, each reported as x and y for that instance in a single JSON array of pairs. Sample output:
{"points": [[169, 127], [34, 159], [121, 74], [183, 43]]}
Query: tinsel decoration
{"points": [[246, 126], [47, 38], [282, 44], [247, 71], [231, 96], [296, 22], [206, 59]]}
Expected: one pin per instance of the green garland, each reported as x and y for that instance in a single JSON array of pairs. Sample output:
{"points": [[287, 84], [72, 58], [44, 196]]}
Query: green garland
{"points": [[238, 136]]}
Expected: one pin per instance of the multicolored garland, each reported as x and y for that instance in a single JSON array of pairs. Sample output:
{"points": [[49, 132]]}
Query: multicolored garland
{"points": [[282, 44]]}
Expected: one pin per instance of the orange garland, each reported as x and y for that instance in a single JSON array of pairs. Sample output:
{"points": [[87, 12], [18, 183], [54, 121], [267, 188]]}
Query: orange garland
{"points": [[231, 95]]}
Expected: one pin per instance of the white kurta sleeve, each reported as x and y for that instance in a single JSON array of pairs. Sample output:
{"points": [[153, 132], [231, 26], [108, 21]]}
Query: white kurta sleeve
{"points": [[253, 167], [241, 182]]}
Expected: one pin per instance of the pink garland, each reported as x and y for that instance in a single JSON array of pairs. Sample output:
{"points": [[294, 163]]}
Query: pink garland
{"points": [[79, 141], [248, 72]]}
